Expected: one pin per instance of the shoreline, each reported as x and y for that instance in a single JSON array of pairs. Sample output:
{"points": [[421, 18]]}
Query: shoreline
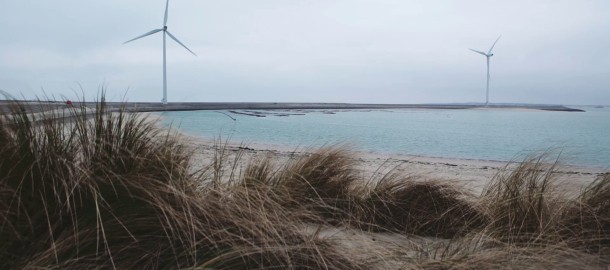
{"points": [[471, 174], [262, 146]]}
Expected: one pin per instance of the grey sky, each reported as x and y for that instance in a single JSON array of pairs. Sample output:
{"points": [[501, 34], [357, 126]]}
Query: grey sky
{"points": [[378, 51]]}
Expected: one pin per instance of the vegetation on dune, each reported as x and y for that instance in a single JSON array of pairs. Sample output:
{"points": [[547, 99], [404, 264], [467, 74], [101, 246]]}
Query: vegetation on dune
{"points": [[114, 192], [424, 208], [111, 190], [523, 205], [586, 221]]}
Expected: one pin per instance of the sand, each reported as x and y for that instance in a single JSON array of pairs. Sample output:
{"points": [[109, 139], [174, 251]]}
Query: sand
{"points": [[472, 175]]}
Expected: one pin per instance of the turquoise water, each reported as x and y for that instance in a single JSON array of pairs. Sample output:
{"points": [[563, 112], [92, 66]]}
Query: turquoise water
{"points": [[582, 138]]}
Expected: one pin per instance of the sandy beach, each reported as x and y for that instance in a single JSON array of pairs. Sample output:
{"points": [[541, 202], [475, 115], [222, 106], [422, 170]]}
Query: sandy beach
{"points": [[471, 174]]}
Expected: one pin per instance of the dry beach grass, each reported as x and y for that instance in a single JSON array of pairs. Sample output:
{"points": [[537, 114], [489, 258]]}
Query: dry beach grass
{"points": [[115, 191]]}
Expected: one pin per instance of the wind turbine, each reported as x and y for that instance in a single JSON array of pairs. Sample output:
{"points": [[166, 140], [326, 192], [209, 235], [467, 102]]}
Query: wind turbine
{"points": [[165, 33], [488, 55]]}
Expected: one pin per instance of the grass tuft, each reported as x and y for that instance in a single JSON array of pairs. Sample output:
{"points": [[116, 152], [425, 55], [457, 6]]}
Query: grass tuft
{"points": [[523, 204], [425, 208], [586, 222]]}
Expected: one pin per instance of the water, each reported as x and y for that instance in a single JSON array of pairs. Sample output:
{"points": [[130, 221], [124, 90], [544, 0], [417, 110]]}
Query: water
{"points": [[503, 135]]}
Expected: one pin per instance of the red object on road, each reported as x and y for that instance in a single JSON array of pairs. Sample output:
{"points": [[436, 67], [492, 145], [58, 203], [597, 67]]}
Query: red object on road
{"points": [[69, 103]]}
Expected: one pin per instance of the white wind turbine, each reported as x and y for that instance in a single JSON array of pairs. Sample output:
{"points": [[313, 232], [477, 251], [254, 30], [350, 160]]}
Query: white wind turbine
{"points": [[488, 55], [165, 33]]}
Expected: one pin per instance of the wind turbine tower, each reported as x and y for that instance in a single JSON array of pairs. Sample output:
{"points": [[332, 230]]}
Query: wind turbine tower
{"points": [[165, 34], [487, 55]]}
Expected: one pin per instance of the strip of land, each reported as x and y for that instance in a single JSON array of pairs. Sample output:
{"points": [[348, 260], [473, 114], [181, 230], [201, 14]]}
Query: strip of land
{"points": [[195, 106]]}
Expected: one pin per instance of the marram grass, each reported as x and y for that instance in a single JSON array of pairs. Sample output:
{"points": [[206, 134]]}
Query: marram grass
{"points": [[110, 190], [113, 191]]}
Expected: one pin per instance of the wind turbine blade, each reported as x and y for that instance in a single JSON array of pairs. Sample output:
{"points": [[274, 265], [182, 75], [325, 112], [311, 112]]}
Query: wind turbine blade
{"points": [[175, 39], [492, 46], [147, 34], [166, 11], [479, 52]]}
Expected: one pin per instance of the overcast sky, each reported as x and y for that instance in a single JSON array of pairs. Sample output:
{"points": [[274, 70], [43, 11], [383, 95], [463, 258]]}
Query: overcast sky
{"points": [[359, 51]]}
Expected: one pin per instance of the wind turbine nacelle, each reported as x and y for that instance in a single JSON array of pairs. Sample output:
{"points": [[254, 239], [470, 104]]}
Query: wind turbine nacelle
{"points": [[491, 54]]}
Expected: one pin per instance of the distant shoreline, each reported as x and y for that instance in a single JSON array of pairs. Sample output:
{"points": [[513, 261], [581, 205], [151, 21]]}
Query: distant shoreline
{"points": [[197, 106]]}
